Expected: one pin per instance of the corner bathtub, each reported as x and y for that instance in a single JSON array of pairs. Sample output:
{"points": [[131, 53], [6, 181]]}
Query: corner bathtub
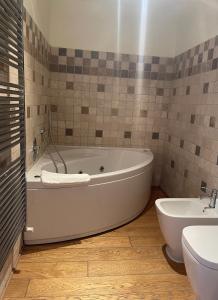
{"points": [[111, 198]]}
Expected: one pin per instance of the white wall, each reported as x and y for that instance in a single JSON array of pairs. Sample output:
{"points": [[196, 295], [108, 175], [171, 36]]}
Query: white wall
{"points": [[127, 26], [198, 21], [151, 27], [39, 10]]}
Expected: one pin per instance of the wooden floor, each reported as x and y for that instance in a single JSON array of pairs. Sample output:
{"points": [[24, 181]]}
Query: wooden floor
{"points": [[126, 263]]}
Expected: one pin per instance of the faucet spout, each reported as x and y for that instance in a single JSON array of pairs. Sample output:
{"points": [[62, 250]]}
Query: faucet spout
{"points": [[213, 198]]}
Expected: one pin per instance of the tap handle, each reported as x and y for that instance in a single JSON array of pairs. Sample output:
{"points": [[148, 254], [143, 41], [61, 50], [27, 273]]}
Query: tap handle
{"points": [[209, 191], [205, 189]]}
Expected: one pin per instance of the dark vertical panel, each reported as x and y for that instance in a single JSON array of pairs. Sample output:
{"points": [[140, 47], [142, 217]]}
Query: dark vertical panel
{"points": [[12, 126]]}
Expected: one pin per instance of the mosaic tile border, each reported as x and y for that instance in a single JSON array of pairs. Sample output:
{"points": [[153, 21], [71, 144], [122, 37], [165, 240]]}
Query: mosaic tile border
{"points": [[34, 41], [199, 59], [96, 63]]}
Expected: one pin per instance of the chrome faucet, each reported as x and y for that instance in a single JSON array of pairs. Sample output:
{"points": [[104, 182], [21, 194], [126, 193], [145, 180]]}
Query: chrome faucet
{"points": [[35, 149], [213, 197]]}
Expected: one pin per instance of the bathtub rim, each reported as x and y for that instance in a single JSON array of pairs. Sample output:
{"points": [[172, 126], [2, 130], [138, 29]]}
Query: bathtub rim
{"points": [[34, 183]]}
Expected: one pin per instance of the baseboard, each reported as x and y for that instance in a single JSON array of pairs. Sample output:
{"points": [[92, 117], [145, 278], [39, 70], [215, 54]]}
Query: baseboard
{"points": [[10, 264]]}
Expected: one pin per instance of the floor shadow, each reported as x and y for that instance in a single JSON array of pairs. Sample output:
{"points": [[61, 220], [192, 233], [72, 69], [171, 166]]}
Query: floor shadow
{"points": [[28, 249], [177, 267]]}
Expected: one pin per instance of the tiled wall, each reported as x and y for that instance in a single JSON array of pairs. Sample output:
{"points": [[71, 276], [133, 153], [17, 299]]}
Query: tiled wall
{"points": [[110, 99], [106, 99], [36, 68], [97, 98], [191, 145]]}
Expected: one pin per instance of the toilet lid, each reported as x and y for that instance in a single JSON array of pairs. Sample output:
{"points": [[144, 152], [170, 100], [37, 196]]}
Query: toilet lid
{"points": [[202, 243]]}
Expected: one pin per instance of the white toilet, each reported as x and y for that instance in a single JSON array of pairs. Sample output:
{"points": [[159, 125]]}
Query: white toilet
{"points": [[200, 251]]}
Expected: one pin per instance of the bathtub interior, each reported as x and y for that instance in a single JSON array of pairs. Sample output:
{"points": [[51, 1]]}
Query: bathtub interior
{"points": [[96, 161]]}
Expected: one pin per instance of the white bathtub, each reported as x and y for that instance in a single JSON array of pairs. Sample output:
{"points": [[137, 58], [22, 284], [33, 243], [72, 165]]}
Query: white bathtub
{"points": [[111, 198]]}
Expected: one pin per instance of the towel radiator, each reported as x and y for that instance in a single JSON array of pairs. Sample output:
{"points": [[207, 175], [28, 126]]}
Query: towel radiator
{"points": [[12, 127]]}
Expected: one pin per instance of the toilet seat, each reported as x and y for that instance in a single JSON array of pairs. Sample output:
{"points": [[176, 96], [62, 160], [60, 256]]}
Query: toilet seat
{"points": [[202, 243]]}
